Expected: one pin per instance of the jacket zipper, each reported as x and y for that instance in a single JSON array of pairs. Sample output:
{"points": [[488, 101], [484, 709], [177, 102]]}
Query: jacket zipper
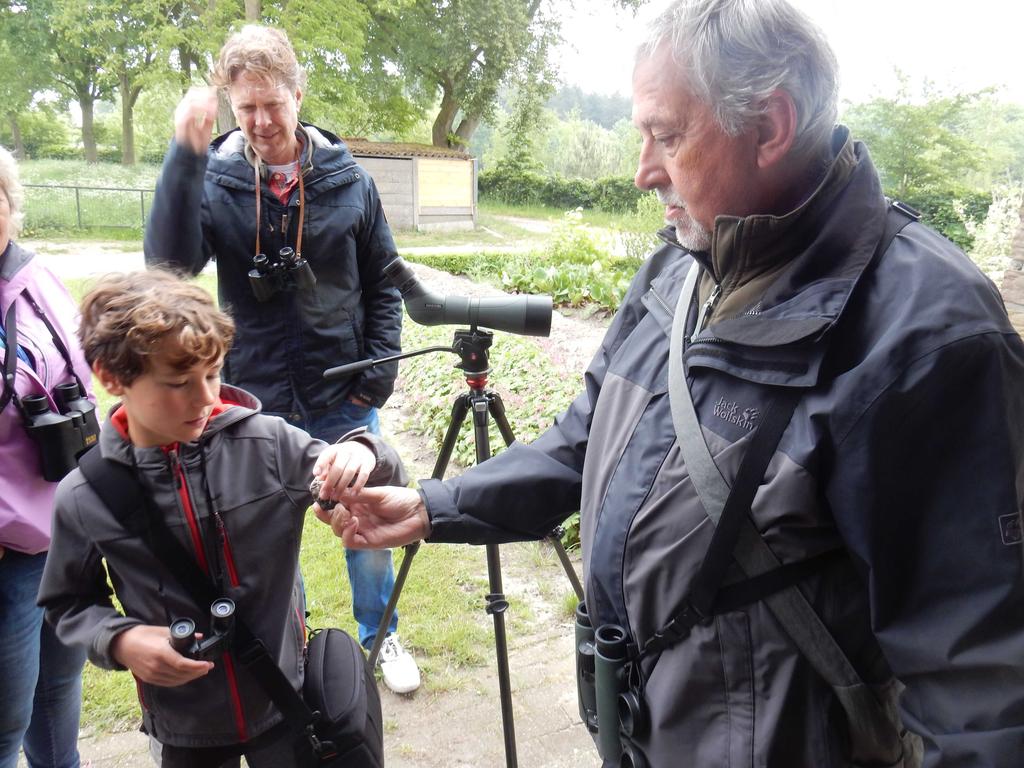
{"points": [[197, 541], [186, 503], [705, 311], [225, 546]]}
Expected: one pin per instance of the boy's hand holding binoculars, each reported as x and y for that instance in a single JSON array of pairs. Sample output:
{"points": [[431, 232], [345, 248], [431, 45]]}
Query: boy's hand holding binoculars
{"points": [[341, 466], [146, 650]]}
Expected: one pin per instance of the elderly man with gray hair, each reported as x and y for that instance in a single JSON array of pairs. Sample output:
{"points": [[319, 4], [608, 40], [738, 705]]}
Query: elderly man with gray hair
{"points": [[799, 455]]}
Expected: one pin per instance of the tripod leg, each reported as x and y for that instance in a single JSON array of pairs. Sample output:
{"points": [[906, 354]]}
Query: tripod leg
{"points": [[496, 602], [497, 409], [459, 409], [496, 606]]}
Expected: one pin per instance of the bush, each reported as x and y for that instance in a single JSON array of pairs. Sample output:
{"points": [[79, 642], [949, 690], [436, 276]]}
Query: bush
{"points": [[948, 211], [472, 265], [616, 193], [520, 186], [43, 132], [512, 186], [993, 236], [560, 192]]}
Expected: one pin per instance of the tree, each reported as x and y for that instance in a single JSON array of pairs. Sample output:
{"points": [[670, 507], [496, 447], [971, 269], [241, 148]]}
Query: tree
{"points": [[77, 39], [21, 75], [136, 33], [918, 141], [460, 51], [924, 153], [534, 82]]}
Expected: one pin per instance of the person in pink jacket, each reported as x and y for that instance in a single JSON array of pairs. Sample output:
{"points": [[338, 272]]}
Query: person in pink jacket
{"points": [[40, 679]]}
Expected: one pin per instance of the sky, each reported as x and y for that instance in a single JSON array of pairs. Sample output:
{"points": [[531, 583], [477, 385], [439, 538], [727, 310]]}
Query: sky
{"points": [[963, 46]]}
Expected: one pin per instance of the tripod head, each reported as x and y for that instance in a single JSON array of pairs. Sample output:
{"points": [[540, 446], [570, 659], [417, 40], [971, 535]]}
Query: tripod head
{"points": [[471, 346]]}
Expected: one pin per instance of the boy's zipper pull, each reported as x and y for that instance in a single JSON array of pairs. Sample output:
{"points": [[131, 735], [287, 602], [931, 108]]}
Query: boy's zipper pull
{"points": [[172, 456], [219, 522], [705, 311], [284, 223]]}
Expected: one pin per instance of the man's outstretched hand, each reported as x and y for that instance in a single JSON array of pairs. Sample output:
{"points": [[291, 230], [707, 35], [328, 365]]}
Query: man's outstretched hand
{"points": [[377, 518]]}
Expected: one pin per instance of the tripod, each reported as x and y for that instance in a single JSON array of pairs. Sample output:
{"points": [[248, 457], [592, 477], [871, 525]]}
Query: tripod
{"points": [[484, 403]]}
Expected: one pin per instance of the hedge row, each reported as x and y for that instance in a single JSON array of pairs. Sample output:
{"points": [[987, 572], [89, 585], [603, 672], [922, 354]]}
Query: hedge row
{"points": [[524, 187]]}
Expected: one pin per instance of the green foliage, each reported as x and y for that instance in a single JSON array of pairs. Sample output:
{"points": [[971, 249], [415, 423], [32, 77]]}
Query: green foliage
{"points": [[472, 265], [994, 235], [574, 146], [917, 140], [952, 212], [999, 128], [575, 268], [605, 111], [523, 186], [44, 132], [922, 146], [511, 185], [517, 363]]}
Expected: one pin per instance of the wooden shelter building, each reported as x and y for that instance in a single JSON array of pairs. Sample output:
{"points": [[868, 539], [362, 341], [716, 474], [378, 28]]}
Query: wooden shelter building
{"points": [[421, 186]]}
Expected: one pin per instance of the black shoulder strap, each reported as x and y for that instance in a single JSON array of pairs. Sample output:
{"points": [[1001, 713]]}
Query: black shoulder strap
{"points": [[10, 354], [700, 601], [121, 492]]}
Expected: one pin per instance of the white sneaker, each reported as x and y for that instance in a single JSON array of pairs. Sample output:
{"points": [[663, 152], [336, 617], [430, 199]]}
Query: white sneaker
{"points": [[398, 666]]}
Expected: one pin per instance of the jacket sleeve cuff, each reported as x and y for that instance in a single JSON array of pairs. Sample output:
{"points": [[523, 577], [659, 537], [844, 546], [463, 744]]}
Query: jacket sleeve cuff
{"points": [[184, 157], [389, 469]]}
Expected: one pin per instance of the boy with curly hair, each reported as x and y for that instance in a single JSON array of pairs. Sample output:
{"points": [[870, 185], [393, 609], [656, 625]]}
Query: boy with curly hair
{"points": [[229, 483]]}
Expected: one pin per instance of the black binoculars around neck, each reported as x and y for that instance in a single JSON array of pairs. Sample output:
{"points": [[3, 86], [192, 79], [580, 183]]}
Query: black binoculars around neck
{"points": [[611, 704], [60, 437], [289, 272], [215, 642]]}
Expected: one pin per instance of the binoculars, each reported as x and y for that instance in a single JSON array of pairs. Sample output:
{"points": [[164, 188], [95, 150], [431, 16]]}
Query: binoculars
{"points": [[222, 632], [61, 438], [290, 272], [611, 704]]}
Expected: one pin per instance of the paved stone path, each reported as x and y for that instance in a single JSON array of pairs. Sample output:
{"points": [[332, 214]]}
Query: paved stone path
{"points": [[1013, 294]]}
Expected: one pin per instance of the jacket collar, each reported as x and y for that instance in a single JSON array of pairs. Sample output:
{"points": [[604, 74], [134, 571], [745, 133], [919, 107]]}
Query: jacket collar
{"points": [[13, 261], [827, 242], [323, 152], [235, 405]]}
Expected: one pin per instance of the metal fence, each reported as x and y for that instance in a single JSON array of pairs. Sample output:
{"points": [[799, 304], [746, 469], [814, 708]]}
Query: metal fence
{"points": [[56, 206]]}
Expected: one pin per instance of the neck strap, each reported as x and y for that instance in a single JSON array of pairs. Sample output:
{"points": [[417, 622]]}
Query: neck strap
{"points": [[11, 360], [302, 202]]}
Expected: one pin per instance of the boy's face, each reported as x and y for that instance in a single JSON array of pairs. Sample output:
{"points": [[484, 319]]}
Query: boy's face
{"points": [[167, 404]]}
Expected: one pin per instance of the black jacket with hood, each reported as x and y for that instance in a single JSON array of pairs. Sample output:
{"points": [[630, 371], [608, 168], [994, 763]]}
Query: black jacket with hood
{"points": [[205, 208]]}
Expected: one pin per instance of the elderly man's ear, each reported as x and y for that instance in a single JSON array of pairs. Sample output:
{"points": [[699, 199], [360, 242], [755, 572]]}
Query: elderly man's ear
{"points": [[776, 129]]}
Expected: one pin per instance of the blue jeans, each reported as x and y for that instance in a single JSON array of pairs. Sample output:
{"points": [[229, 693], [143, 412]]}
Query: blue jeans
{"points": [[40, 678], [371, 573]]}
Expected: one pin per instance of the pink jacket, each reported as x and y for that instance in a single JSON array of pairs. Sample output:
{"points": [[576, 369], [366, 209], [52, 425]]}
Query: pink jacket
{"points": [[26, 499]]}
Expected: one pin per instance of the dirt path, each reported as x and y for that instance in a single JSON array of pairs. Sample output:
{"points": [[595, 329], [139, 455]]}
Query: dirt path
{"points": [[459, 724]]}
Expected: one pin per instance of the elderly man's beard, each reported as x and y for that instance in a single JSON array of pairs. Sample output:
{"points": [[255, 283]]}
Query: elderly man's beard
{"points": [[689, 233]]}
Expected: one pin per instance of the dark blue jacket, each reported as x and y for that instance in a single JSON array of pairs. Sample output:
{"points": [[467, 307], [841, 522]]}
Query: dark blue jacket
{"points": [[906, 451], [205, 207]]}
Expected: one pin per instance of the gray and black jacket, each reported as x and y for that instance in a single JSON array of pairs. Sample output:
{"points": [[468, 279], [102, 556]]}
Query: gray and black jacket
{"points": [[205, 208], [906, 451], [237, 499]]}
